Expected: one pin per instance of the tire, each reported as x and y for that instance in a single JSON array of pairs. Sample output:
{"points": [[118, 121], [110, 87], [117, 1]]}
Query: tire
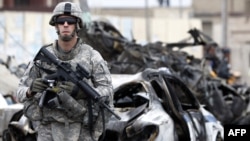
{"points": [[30, 138], [6, 135], [218, 137]]}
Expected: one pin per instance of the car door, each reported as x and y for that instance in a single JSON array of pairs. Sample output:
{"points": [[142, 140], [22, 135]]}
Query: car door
{"points": [[187, 106]]}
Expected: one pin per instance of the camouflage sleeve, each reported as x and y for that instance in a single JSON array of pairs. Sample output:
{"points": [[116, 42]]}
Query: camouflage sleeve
{"points": [[102, 78], [30, 73]]}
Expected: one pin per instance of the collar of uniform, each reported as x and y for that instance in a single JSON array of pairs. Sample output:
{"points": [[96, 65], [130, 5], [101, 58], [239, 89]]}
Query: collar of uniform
{"points": [[65, 56]]}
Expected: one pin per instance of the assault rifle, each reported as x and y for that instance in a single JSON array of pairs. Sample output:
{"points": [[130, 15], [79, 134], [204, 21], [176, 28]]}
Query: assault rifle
{"points": [[65, 73]]}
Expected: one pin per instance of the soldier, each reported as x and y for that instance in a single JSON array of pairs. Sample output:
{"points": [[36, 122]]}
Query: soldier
{"points": [[76, 117]]}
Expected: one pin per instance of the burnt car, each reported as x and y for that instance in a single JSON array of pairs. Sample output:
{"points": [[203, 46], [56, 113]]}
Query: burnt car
{"points": [[14, 126], [8, 107], [156, 105]]}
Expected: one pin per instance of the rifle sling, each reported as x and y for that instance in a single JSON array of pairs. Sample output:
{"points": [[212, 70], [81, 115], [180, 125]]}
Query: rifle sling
{"points": [[90, 120]]}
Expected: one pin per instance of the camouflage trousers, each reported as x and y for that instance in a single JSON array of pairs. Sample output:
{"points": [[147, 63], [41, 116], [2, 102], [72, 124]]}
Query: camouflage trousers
{"points": [[56, 131]]}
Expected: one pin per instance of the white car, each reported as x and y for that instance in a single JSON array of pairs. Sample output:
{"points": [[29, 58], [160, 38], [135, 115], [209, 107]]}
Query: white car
{"points": [[156, 105], [8, 107], [13, 124]]}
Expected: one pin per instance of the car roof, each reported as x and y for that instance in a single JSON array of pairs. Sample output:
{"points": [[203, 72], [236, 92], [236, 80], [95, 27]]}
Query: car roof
{"points": [[120, 79]]}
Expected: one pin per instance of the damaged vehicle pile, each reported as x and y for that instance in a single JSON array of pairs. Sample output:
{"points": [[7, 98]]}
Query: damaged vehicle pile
{"points": [[221, 95], [156, 105], [162, 93]]}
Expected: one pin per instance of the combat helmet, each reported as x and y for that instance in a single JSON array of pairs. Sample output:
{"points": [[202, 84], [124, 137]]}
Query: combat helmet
{"points": [[67, 8]]}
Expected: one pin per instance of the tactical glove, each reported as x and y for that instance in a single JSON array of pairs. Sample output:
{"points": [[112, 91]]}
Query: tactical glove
{"points": [[37, 85], [72, 90]]}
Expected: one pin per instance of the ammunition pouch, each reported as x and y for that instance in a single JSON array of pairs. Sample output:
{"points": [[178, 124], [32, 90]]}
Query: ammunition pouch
{"points": [[31, 109], [46, 98], [72, 108], [62, 101]]}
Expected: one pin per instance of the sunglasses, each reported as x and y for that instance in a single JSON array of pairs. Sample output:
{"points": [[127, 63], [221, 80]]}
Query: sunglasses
{"points": [[66, 19]]}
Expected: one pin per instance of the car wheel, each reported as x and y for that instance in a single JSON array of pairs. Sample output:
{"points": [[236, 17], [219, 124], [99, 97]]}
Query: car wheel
{"points": [[219, 138], [6, 135], [30, 138]]}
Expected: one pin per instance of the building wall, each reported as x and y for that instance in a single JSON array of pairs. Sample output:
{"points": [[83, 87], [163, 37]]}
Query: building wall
{"points": [[1, 3], [23, 33], [215, 6], [141, 12], [122, 12], [240, 60], [239, 31], [171, 12]]}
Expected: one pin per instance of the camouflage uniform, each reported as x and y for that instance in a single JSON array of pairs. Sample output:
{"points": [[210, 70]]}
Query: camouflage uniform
{"points": [[55, 124]]}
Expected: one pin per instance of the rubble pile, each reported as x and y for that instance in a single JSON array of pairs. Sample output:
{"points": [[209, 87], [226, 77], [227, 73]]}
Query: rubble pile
{"points": [[213, 88]]}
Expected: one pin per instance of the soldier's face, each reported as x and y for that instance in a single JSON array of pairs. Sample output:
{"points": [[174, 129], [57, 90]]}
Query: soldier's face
{"points": [[66, 27]]}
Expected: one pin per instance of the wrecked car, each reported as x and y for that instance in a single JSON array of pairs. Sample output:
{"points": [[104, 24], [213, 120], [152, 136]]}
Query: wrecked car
{"points": [[20, 128], [156, 105], [8, 107]]}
